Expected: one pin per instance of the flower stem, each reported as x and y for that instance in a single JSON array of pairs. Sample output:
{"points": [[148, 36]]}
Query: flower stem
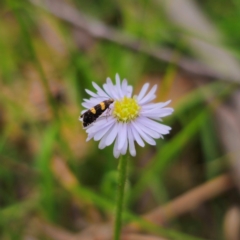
{"points": [[122, 171]]}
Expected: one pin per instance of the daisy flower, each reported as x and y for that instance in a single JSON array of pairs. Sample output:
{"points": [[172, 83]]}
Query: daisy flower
{"points": [[128, 119]]}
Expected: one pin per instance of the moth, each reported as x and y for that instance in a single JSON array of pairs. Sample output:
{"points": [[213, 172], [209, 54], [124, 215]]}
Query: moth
{"points": [[95, 112]]}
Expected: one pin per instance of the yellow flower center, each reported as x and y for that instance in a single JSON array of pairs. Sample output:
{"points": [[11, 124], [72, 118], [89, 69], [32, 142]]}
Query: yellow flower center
{"points": [[126, 109]]}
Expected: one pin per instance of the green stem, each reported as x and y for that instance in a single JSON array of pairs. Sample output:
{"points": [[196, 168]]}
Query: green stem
{"points": [[122, 169]]}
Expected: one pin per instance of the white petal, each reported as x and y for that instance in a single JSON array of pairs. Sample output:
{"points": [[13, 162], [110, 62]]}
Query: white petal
{"points": [[94, 128], [155, 118], [112, 135], [102, 132], [116, 152], [90, 136], [151, 106], [124, 87], [111, 89], [107, 90], [124, 149], [118, 86], [147, 100], [109, 81], [122, 135], [143, 91], [157, 111], [145, 136], [148, 130], [161, 113], [87, 101], [129, 91], [99, 90], [91, 93], [166, 111], [158, 127], [102, 143], [149, 95], [87, 105], [137, 136], [100, 124], [132, 149]]}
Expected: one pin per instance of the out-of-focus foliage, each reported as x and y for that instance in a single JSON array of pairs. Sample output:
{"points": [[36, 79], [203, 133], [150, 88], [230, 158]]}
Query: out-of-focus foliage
{"points": [[53, 182]]}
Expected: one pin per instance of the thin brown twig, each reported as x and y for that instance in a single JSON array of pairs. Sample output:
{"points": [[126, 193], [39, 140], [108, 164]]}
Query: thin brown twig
{"points": [[100, 232], [134, 236], [190, 200], [100, 30], [229, 132]]}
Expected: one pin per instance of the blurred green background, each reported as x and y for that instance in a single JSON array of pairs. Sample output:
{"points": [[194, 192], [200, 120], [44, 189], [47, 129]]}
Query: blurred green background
{"points": [[54, 184]]}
